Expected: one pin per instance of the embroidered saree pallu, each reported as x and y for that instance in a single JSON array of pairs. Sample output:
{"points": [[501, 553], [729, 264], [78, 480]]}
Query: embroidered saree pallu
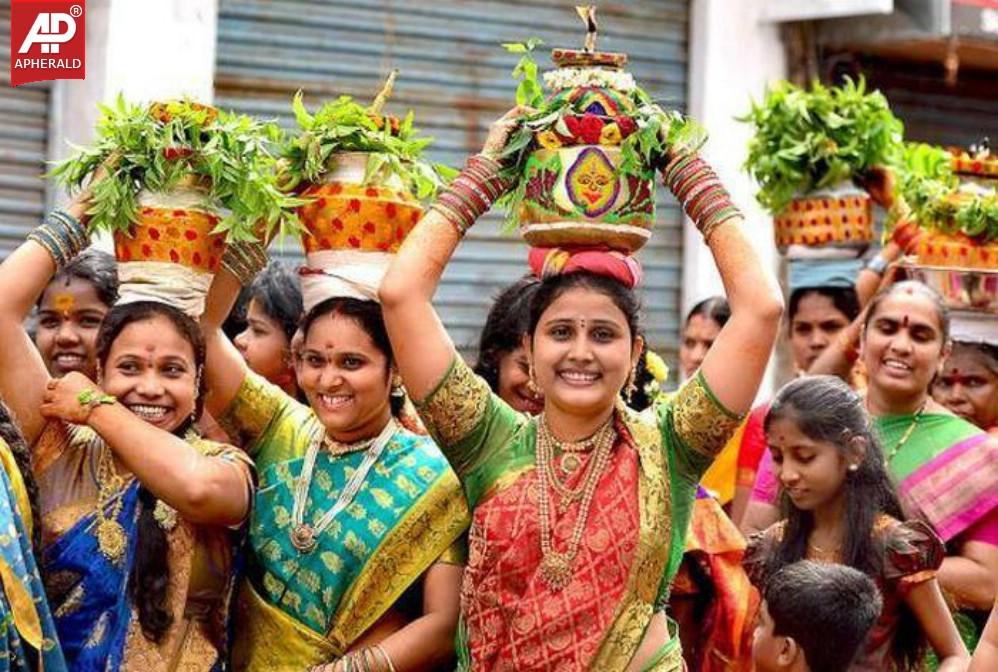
{"points": [[513, 618], [305, 604], [89, 539]]}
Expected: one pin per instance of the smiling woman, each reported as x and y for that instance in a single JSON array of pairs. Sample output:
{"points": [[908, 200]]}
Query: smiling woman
{"points": [[946, 469], [579, 514], [70, 311], [135, 508], [354, 553]]}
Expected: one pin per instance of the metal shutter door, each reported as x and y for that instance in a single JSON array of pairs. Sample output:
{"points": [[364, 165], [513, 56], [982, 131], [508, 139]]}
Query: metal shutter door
{"points": [[932, 110], [24, 114], [456, 77]]}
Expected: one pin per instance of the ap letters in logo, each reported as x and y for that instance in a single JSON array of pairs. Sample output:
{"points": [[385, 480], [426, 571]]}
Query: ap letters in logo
{"points": [[47, 40]]}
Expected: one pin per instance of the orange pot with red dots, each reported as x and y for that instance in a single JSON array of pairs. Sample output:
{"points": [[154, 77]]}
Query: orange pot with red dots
{"points": [[955, 251], [350, 216], [844, 220], [172, 235]]}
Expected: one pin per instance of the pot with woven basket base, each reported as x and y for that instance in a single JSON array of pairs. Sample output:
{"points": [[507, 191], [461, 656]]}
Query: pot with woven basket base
{"points": [[364, 181], [178, 180]]}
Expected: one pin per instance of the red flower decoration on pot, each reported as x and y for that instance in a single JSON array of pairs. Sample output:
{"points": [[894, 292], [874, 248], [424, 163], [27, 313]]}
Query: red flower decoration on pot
{"points": [[590, 129], [574, 125], [626, 125]]}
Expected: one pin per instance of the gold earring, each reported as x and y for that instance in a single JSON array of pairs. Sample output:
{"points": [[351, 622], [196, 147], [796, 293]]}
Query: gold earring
{"points": [[532, 381], [398, 389], [631, 387]]}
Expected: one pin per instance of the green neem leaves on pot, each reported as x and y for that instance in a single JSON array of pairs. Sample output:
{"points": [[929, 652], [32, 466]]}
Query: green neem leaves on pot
{"points": [[928, 193], [343, 125], [807, 139], [162, 146]]}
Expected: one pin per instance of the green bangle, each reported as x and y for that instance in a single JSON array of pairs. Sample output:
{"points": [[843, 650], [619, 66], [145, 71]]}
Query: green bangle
{"points": [[92, 398]]}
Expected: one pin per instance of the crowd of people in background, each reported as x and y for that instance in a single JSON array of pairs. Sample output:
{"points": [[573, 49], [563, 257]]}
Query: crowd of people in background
{"points": [[328, 485]]}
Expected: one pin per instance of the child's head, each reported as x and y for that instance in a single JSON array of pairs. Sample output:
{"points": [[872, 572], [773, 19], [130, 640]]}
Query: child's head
{"points": [[825, 453], [814, 617]]}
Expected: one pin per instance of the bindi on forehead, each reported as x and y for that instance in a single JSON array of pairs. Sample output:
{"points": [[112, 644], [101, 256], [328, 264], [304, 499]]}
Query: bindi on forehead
{"points": [[64, 303], [905, 320]]}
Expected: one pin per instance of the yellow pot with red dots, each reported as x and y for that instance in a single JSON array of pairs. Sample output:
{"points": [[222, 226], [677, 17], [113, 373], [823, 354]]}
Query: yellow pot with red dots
{"points": [[173, 227], [839, 218], [346, 214]]}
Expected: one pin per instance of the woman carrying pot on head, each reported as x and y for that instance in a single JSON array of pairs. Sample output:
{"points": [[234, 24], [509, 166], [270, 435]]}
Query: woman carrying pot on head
{"points": [[946, 469], [135, 511], [579, 515], [355, 554], [273, 313], [70, 310]]}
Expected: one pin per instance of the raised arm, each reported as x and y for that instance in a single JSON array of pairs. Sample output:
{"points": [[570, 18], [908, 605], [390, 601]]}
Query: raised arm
{"points": [[423, 350], [224, 368], [202, 488], [736, 362], [23, 277]]}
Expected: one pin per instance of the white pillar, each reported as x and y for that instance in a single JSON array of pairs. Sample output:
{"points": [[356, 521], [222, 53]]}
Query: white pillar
{"points": [[146, 51], [733, 56], [161, 50]]}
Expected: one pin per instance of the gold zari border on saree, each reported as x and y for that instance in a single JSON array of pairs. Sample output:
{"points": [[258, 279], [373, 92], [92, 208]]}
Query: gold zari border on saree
{"points": [[651, 556]]}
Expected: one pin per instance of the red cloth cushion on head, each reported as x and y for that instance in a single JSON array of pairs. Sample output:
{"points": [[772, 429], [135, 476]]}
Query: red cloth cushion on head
{"points": [[547, 261]]}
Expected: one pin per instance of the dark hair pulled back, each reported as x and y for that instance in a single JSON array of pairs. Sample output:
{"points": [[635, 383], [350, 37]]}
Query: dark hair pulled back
{"points": [[150, 574], [914, 288], [96, 267], [553, 287], [367, 315], [277, 292], [507, 321], [714, 308], [844, 299], [826, 410]]}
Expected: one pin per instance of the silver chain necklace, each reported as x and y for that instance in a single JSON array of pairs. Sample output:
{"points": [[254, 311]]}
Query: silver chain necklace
{"points": [[303, 536]]}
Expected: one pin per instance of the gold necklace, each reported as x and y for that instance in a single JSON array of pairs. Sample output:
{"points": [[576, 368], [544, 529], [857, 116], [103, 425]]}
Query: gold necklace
{"points": [[601, 436], [556, 567], [907, 434], [111, 537], [828, 555]]}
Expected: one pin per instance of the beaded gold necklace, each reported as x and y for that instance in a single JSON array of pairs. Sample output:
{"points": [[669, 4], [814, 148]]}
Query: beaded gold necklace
{"points": [[556, 567]]}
